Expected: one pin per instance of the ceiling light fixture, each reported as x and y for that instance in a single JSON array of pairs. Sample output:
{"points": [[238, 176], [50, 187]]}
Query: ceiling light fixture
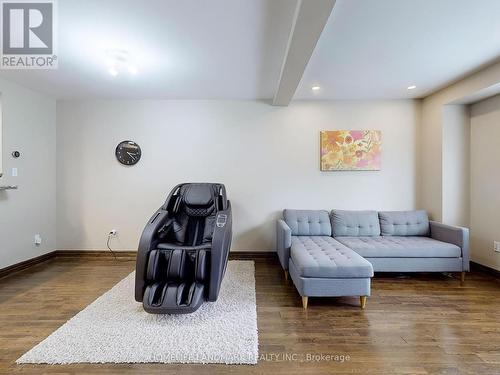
{"points": [[132, 69], [315, 88], [412, 87], [118, 61]]}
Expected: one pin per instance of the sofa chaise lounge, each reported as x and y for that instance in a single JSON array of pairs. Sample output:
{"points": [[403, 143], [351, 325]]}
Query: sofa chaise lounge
{"points": [[336, 254]]}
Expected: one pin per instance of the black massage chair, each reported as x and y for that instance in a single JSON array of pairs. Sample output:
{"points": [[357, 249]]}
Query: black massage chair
{"points": [[184, 249]]}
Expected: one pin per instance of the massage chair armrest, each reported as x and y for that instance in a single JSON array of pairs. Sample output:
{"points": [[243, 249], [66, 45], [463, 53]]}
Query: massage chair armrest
{"points": [[221, 243], [455, 235], [146, 243], [283, 242]]}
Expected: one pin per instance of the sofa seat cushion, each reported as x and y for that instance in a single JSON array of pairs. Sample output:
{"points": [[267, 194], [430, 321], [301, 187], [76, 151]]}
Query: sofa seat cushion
{"points": [[324, 257], [401, 247]]}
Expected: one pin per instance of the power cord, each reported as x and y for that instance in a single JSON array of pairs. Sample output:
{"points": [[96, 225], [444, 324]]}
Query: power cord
{"points": [[109, 247], [110, 235]]}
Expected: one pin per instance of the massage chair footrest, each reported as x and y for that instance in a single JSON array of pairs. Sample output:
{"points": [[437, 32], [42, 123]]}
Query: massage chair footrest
{"points": [[173, 298], [176, 279]]}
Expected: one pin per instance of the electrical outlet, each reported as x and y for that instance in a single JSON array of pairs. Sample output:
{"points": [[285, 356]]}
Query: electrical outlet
{"points": [[113, 232], [37, 240], [496, 246]]}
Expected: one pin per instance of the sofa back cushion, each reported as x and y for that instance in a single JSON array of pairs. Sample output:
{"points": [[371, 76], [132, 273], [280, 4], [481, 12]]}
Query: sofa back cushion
{"points": [[308, 222], [355, 223], [404, 223]]}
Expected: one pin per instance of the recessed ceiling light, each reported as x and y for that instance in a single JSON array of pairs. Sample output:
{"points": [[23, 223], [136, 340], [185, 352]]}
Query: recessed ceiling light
{"points": [[119, 61], [315, 88], [412, 87], [132, 69]]}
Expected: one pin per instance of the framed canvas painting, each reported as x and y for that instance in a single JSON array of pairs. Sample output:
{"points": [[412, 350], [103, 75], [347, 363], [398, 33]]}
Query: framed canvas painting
{"points": [[351, 150]]}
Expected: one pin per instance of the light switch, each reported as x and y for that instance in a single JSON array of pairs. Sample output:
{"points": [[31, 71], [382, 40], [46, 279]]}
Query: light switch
{"points": [[496, 246], [14, 172]]}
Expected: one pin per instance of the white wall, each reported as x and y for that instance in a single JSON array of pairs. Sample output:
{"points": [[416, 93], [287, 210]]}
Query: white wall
{"points": [[431, 164], [267, 156], [456, 165], [485, 181], [29, 125], [435, 125]]}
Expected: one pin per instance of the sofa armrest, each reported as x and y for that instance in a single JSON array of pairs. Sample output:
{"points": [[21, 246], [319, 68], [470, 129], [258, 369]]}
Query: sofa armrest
{"points": [[455, 235], [283, 242]]}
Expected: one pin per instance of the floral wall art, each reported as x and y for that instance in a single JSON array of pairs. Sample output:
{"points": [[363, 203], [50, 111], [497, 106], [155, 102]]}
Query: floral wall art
{"points": [[351, 150]]}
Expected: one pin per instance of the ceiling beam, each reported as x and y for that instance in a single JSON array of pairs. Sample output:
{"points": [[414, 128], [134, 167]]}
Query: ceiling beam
{"points": [[309, 21]]}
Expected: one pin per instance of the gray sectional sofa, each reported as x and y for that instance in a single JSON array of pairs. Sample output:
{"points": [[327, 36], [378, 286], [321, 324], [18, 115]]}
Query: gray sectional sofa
{"points": [[335, 254]]}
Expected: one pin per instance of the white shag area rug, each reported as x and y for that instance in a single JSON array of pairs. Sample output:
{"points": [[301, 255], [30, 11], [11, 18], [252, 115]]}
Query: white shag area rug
{"points": [[116, 329]]}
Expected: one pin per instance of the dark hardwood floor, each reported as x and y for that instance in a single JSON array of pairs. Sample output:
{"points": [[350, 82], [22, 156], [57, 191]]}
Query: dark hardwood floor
{"points": [[423, 324]]}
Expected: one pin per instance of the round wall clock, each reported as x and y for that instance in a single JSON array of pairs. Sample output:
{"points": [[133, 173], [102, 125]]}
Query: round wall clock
{"points": [[128, 152]]}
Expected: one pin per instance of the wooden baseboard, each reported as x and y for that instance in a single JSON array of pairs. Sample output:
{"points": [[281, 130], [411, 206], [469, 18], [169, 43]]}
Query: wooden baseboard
{"points": [[131, 255], [252, 255], [235, 255], [26, 264], [241, 255], [94, 254], [479, 267]]}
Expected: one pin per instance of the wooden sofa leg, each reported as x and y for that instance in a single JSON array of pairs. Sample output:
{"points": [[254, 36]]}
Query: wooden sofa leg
{"points": [[304, 302], [362, 301], [462, 277], [286, 275]]}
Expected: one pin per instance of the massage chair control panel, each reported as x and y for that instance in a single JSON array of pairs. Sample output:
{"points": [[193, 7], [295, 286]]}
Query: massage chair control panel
{"points": [[221, 220]]}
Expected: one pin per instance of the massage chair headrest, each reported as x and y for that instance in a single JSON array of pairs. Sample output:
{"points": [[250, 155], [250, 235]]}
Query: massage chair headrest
{"points": [[196, 199], [197, 194]]}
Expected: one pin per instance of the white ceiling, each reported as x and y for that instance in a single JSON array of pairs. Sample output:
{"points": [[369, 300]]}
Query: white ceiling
{"points": [[234, 49], [185, 49], [376, 49]]}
